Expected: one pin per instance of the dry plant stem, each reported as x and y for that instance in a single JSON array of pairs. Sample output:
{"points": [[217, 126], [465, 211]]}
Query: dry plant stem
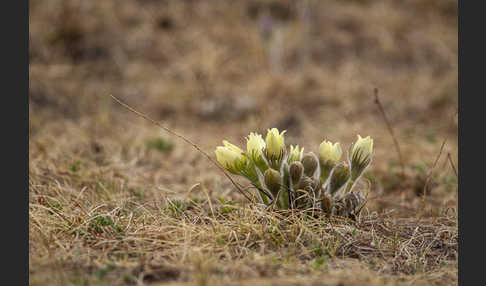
{"points": [[452, 164], [390, 129], [427, 180], [185, 139], [435, 163]]}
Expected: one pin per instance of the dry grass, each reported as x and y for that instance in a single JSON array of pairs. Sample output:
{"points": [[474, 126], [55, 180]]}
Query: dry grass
{"points": [[113, 201], [108, 232], [98, 215]]}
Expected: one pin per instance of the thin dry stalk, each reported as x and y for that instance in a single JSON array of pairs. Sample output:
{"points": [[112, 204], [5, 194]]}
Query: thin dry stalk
{"points": [[429, 175], [390, 129], [186, 140], [452, 164]]}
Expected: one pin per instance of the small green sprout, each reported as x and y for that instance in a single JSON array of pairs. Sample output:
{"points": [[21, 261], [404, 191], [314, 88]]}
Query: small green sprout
{"points": [[160, 144]]}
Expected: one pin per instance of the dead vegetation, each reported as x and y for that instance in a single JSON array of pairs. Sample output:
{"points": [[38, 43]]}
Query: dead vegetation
{"points": [[105, 229], [114, 201]]}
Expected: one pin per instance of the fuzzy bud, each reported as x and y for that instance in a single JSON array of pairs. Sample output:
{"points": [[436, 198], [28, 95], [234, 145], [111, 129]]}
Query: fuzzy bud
{"points": [[272, 181], [339, 177], [296, 170], [310, 163], [307, 183]]}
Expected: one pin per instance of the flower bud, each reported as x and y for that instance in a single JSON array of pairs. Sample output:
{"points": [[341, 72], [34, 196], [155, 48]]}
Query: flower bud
{"points": [[307, 184], [310, 163], [230, 156], [363, 145], [232, 147], [255, 144], [275, 143], [329, 152], [295, 153], [273, 181], [360, 157], [339, 177], [296, 171]]}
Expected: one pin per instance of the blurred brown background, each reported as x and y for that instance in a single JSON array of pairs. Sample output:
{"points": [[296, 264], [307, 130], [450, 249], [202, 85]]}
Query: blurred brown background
{"points": [[215, 70]]}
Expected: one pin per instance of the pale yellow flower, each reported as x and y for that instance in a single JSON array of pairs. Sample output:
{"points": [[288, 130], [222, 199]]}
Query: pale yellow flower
{"points": [[275, 142], [255, 144], [363, 144], [330, 152], [296, 153], [229, 156], [232, 147]]}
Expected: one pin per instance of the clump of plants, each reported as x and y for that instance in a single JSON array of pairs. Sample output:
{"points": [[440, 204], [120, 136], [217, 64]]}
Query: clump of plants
{"points": [[288, 178]]}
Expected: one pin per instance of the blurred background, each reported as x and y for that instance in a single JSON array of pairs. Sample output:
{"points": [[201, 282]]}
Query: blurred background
{"points": [[214, 70]]}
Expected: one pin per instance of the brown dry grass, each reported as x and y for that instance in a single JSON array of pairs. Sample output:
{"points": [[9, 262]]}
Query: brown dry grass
{"points": [[115, 201]]}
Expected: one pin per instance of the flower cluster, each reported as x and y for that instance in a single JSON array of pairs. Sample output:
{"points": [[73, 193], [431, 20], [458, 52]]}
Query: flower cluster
{"points": [[290, 178]]}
